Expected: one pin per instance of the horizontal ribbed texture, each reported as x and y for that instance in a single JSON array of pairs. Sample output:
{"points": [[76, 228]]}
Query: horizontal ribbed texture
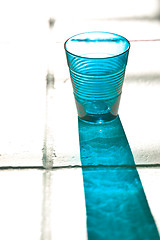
{"points": [[94, 79], [97, 62]]}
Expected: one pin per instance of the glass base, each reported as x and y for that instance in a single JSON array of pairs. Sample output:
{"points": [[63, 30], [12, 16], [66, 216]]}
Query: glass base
{"points": [[98, 119], [97, 111]]}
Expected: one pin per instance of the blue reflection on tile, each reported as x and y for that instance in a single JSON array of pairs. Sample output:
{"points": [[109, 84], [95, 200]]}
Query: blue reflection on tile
{"points": [[104, 144], [116, 204]]}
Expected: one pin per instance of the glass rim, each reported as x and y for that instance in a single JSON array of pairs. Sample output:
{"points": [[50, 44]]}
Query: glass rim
{"points": [[76, 55]]}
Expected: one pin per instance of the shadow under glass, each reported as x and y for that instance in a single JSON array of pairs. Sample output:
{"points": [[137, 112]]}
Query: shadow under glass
{"points": [[116, 204]]}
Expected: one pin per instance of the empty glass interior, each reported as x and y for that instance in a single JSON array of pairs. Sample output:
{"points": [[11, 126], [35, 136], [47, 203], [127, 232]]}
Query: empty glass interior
{"points": [[97, 45]]}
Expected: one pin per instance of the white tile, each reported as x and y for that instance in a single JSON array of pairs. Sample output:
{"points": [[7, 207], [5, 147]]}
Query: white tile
{"points": [[68, 214], [103, 9], [139, 103], [150, 178], [20, 204]]}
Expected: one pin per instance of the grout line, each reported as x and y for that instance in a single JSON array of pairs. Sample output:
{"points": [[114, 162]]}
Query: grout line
{"points": [[78, 166]]}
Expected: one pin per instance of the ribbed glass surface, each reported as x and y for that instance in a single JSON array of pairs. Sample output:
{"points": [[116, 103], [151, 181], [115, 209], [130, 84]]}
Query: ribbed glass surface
{"points": [[97, 87]]}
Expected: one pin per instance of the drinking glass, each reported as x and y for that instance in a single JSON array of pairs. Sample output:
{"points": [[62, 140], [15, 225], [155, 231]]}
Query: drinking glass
{"points": [[97, 63]]}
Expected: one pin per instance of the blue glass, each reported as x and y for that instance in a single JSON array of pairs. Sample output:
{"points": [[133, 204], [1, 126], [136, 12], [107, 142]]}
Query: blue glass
{"points": [[116, 204], [97, 62]]}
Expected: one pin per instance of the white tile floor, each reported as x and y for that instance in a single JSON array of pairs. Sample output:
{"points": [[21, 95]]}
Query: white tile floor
{"points": [[32, 200]]}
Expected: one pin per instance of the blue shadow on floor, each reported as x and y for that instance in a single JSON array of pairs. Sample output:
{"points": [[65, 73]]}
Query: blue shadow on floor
{"points": [[116, 204]]}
